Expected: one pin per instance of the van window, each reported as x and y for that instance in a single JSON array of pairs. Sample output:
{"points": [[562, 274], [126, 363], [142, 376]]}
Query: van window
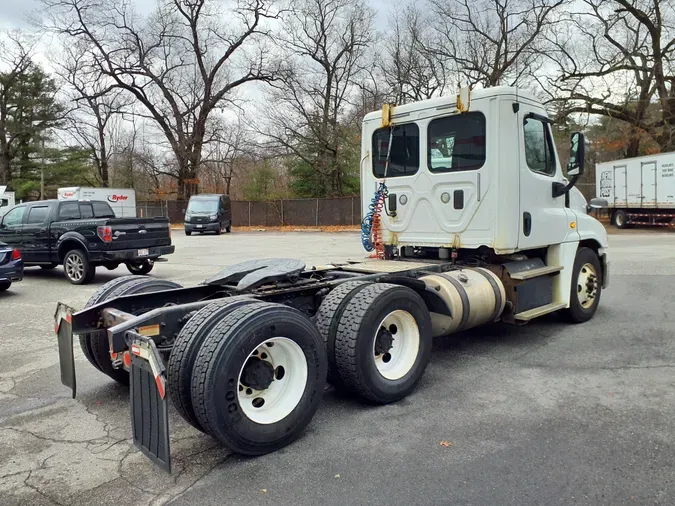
{"points": [[204, 206], [404, 158], [456, 143]]}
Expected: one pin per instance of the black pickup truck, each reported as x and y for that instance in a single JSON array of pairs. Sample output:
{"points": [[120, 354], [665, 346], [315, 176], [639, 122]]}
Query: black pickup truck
{"points": [[82, 235]]}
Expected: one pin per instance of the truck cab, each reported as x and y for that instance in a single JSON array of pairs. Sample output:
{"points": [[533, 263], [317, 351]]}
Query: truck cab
{"points": [[473, 174]]}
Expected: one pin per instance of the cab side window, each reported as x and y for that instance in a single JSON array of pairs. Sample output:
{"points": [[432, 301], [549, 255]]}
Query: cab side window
{"points": [[539, 152], [38, 215], [14, 217], [69, 211]]}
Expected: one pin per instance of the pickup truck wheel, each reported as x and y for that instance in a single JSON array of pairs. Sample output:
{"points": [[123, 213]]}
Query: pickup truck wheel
{"points": [[141, 268], [259, 377], [228, 229], [99, 340], [383, 342], [327, 319], [4, 285], [188, 233], [99, 296], [185, 350], [78, 269], [586, 287], [220, 229]]}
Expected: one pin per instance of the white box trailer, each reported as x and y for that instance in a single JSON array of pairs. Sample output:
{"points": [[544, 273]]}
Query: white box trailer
{"points": [[7, 200], [122, 200], [638, 190]]}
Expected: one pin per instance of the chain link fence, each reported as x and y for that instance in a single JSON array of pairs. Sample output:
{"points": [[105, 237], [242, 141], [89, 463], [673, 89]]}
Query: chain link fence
{"points": [[295, 212], [272, 213]]}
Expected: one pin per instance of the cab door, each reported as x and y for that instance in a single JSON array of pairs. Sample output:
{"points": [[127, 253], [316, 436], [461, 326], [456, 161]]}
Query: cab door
{"points": [[35, 240], [544, 219], [11, 227]]}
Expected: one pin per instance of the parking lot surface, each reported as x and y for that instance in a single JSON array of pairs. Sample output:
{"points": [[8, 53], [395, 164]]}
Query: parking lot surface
{"points": [[543, 414]]}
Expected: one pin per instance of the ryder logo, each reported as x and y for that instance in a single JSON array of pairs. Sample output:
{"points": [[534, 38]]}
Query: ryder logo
{"points": [[68, 195], [117, 198]]}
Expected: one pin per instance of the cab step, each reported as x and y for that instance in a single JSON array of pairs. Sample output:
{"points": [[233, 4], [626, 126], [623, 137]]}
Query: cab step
{"points": [[535, 273], [536, 312]]}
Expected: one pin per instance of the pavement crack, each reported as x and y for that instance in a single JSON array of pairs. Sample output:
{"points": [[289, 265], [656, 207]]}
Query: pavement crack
{"points": [[158, 499], [46, 438], [37, 489]]}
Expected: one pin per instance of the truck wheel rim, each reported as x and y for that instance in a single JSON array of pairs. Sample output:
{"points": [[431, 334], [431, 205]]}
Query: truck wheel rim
{"points": [[587, 285], [396, 345], [619, 219], [272, 380], [75, 267]]}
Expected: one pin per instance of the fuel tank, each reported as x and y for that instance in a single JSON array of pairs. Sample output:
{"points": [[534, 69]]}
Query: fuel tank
{"points": [[470, 297]]}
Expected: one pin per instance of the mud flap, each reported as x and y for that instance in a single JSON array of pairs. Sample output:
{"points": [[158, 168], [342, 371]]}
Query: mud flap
{"points": [[64, 335], [149, 403]]}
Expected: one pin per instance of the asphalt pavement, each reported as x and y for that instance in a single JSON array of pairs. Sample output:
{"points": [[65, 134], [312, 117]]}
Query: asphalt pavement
{"points": [[548, 413]]}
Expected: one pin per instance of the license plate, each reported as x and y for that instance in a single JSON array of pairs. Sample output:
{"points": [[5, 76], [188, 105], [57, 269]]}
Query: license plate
{"points": [[143, 252], [200, 226]]}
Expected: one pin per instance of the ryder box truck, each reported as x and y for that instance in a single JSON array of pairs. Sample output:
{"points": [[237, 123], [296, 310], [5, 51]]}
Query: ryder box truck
{"points": [[122, 200]]}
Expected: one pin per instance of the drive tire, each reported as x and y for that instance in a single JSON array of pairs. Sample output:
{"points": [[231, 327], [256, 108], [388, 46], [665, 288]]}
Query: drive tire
{"points": [[188, 233], [228, 229], [587, 259], [100, 295], [141, 268], [185, 350], [219, 367], [100, 350], [327, 319], [77, 267], [360, 369], [4, 285], [620, 219]]}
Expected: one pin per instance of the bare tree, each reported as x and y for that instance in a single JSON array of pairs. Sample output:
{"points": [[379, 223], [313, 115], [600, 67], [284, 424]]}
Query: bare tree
{"points": [[620, 64], [492, 42], [15, 58], [181, 63], [95, 102], [228, 151], [411, 69], [328, 41]]}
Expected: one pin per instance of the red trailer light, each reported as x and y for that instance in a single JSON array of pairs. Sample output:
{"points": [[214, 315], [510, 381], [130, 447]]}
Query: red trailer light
{"points": [[105, 233], [16, 255]]}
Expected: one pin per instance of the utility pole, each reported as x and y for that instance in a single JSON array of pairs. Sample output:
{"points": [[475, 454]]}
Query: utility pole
{"points": [[42, 172]]}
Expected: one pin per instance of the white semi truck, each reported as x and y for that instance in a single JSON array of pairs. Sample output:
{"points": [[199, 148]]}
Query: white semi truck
{"points": [[7, 200], [468, 218], [638, 191]]}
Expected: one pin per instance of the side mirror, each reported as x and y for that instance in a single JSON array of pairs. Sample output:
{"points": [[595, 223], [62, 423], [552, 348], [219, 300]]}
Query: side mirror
{"points": [[577, 151], [597, 203]]}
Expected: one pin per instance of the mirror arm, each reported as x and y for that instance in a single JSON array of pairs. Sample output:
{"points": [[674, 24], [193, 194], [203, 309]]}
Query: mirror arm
{"points": [[560, 189]]}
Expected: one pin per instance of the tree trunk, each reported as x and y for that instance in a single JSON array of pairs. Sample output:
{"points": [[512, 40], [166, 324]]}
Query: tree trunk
{"points": [[633, 147]]}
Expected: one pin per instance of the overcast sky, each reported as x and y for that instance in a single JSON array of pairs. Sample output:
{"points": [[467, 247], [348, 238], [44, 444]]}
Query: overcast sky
{"points": [[13, 13]]}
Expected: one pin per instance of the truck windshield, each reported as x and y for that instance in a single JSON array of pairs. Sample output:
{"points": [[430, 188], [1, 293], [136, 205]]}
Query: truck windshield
{"points": [[203, 206]]}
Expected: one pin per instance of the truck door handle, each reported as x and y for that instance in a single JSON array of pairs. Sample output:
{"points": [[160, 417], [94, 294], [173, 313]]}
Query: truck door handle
{"points": [[527, 224]]}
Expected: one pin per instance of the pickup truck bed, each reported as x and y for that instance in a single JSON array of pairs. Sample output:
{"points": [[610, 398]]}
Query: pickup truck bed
{"points": [[84, 235]]}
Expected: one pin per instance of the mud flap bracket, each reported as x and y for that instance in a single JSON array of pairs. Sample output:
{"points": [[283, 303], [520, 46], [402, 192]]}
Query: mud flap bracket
{"points": [[149, 403]]}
